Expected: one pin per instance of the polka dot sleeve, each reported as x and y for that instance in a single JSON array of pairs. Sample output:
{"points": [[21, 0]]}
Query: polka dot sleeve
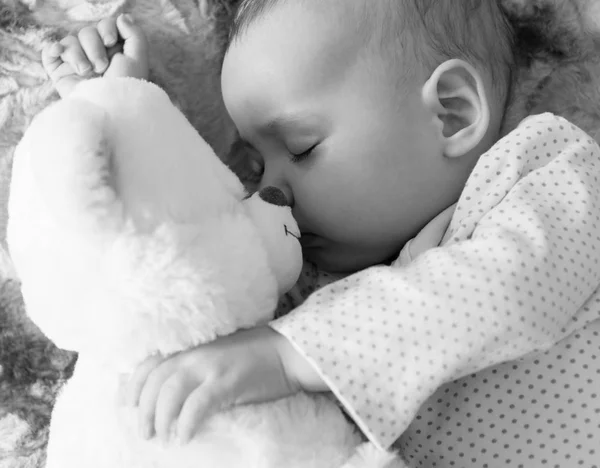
{"points": [[517, 265]]}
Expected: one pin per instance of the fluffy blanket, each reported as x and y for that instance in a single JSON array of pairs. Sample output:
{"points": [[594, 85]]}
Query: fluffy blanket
{"points": [[558, 68]]}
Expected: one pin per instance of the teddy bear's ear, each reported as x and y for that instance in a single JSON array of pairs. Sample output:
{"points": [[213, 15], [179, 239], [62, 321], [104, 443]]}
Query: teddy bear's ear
{"points": [[70, 156]]}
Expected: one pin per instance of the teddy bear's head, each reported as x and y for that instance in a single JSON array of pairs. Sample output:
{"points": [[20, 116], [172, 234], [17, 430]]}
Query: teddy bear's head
{"points": [[131, 237]]}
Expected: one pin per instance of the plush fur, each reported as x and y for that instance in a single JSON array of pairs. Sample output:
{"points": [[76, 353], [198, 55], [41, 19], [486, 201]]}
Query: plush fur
{"points": [[558, 71]]}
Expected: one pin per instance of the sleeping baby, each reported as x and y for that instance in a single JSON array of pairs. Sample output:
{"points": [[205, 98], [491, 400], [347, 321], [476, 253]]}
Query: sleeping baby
{"points": [[380, 121]]}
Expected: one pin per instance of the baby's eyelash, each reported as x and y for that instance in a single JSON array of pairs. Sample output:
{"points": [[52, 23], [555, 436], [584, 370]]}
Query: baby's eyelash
{"points": [[296, 158]]}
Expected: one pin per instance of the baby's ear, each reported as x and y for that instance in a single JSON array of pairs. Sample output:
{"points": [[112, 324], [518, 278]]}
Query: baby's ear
{"points": [[455, 94]]}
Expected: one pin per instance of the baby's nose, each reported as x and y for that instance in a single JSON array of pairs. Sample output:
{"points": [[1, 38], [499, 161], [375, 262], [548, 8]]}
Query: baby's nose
{"points": [[274, 196]]}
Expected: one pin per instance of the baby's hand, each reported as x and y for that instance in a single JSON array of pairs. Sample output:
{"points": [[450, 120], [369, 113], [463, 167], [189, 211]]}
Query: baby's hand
{"points": [[110, 48], [246, 367]]}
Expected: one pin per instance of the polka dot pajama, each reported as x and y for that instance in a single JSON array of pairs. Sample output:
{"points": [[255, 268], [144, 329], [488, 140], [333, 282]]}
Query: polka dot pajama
{"points": [[482, 351]]}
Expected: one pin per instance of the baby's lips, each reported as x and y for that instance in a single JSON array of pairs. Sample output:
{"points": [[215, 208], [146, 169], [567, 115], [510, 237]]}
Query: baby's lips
{"points": [[309, 240]]}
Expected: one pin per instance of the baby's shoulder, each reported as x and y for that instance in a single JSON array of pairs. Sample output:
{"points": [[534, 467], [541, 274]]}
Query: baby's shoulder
{"points": [[546, 126], [538, 140]]}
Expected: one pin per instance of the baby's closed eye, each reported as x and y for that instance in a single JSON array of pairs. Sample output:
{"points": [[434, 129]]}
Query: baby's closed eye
{"points": [[297, 157]]}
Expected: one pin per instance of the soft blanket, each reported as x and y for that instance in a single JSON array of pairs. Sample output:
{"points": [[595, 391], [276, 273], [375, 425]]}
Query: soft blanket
{"points": [[558, 70]]}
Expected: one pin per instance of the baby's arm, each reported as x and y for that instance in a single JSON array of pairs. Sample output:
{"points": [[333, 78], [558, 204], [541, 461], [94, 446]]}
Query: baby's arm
{"points": [[113, 47], [520, 264], [251, 366]]}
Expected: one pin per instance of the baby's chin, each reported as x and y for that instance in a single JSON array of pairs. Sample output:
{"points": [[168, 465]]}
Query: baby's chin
{"points": [[346, 259]]}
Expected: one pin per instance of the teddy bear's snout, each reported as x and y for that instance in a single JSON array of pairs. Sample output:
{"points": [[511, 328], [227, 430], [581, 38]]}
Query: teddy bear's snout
{"points": [[274, 196]]}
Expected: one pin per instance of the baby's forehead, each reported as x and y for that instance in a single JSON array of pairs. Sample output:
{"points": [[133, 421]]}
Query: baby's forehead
{"points": [[337, 27], [291, 28], [253, 13]]}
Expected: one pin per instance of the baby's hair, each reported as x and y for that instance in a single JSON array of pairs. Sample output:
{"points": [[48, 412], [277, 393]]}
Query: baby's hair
{"points": [[433, 31], [474, 30]]}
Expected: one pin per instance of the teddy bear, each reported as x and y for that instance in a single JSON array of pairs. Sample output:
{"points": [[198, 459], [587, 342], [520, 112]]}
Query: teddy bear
{"points": [[132, 238]]}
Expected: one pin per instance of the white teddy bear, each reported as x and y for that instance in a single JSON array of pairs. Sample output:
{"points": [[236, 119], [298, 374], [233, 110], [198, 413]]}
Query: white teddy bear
{"points": [[132, 238]]}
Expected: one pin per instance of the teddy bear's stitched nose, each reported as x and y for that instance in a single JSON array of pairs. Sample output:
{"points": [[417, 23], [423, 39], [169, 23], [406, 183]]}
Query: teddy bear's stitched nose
{"points": [[274, 196]]}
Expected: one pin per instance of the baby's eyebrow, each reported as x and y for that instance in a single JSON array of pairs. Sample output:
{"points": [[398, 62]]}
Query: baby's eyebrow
{"points": [[283, 122]]}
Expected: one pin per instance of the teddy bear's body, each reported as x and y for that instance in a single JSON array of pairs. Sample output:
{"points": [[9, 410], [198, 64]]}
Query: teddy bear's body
{"points": [[90, 429], [131, 238]]}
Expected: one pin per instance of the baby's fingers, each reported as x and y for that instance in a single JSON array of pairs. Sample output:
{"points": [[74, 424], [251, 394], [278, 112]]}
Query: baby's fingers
{"points": [[136, 45], [51, 57], [75, 56], [107, 28], [63, 75], [93, 47], [149, 398], [172, 396], [202, 402], [138, 379]]}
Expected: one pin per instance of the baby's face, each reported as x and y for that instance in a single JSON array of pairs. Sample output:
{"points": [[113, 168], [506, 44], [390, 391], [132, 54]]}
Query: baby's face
{"points": [[358, 158]]}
